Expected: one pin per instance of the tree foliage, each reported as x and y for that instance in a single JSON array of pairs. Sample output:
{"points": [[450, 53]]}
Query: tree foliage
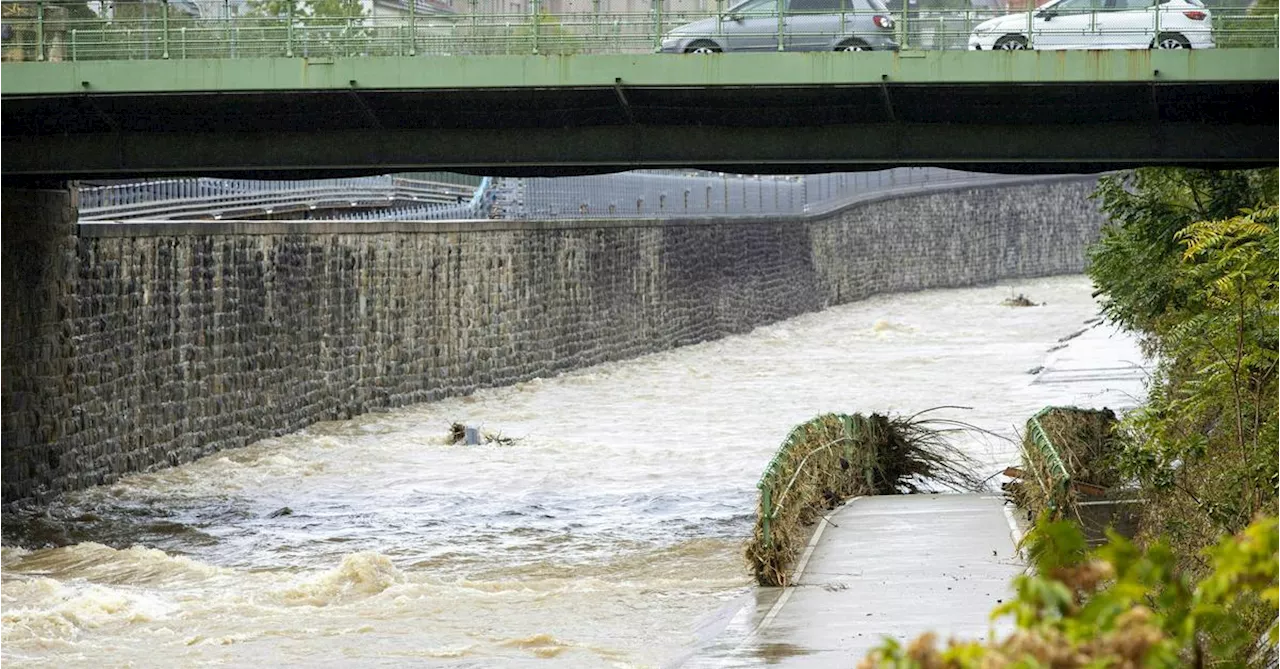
{"points": [[307, 9]]}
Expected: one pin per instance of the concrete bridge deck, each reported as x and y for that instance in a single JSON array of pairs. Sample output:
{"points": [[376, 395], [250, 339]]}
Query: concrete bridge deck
{"points": [[1024, 112], [894, 565]]}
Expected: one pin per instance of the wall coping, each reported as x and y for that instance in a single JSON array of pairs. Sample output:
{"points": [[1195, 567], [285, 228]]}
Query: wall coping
{"points": [[166, 228]]}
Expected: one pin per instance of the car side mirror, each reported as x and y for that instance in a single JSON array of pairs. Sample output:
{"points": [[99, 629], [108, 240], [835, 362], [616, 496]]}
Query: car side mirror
{"points": [[736, 18], [1045, 15]]}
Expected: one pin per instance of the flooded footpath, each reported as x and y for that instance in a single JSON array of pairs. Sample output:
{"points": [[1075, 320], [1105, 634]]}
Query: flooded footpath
{"points": [[608, 534]]}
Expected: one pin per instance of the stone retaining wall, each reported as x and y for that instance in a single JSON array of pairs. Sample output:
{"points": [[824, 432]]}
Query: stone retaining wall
{"points": [[142, 346]]}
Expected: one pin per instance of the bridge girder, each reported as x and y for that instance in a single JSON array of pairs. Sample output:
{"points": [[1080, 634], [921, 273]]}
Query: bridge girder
{"points": [[1029, 112]]}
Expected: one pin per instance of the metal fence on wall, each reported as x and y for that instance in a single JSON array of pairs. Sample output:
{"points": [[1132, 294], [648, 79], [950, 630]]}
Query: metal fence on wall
{"points": [[696, 193], [202, 197], [638, 194]]}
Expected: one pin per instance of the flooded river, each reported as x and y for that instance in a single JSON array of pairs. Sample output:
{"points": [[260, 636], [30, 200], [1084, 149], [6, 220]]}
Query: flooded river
{"points": [[608, 534]]}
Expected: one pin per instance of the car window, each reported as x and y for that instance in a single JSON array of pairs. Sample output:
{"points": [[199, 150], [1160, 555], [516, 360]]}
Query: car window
{"points": [[1077, 6], [814, 6], [1130, 5], [756, 7]]}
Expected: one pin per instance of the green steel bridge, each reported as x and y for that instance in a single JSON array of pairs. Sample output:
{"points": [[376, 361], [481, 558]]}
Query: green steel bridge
{"points": [[305, 97]]}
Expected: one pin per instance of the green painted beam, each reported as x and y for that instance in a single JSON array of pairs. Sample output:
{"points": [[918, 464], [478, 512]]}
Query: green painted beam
{"points": [[657, 70]]}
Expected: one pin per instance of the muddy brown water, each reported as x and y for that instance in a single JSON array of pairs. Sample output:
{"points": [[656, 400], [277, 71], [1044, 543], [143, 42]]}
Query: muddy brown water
{"points": [[607, 535]]}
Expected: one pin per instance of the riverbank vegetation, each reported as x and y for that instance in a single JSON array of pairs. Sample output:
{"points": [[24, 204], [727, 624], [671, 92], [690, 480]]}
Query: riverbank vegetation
{"points": [[1190, 264]]}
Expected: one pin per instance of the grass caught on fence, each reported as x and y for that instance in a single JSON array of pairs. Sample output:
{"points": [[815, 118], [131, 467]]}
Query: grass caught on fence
{"points": [[1081, 441], [834, 457]]}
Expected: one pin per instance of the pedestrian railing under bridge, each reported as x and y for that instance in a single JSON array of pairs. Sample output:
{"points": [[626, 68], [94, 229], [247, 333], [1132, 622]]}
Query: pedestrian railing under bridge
{"points": [[57, 30], [207, 198]]}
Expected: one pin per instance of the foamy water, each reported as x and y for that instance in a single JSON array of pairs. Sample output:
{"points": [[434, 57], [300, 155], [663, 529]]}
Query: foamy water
{"points": [[605, 536]]}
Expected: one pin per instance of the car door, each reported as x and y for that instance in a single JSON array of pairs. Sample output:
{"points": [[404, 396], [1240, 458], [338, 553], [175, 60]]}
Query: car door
{"points": [[1069, 24], [815, 25], [1126, 24], [753, 26]]}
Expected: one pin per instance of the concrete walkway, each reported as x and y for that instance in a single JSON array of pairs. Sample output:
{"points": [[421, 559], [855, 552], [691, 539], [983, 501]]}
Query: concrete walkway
{"points": [[893, 565]]}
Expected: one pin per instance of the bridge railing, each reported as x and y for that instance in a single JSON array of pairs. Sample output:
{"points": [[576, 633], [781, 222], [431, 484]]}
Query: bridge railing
{"points": [[197, 198], [56, 30]]}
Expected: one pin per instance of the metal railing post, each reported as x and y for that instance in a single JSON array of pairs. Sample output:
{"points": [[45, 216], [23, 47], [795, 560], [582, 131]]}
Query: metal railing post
{"points": [[1031, 10], [537, 9], [780, 20], [413, 27], [474, 18], [164, 26], [906, 24], [288, 32], [657, 26], [73, 44], [766, 513], [39, 30], [1155, 39], [595, 20]]}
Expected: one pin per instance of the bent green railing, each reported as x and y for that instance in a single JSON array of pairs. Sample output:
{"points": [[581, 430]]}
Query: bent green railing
{"points": [[807, 473], [1059, 484], [768, 480], [834, 457]]}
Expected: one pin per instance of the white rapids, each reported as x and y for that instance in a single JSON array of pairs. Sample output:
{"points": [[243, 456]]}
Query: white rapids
{"points": [[607, 535]]}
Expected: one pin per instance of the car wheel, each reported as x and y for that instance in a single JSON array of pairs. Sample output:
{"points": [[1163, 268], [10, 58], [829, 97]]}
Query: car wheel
{"points": [[854, 45], [1011, 43], [702, 47], [1172, 41]]}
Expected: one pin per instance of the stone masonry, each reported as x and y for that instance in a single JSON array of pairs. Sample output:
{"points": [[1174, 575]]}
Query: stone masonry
{"points": [[135, 347]]}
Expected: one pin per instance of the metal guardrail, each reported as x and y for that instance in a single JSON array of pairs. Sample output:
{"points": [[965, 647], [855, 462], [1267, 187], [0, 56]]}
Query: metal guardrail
{"points": [[54, 30], [769, 479], [478, 206], [226, 198], [1059, 478]]}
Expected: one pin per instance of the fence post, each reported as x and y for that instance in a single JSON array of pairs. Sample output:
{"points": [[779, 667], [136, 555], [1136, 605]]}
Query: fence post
{"points": [[766, 514], [657, 26], [39, 30], [1156, 37], [288, 33], [413, 27], [537, 9], [780, 20], [164, 27], [1031, 10]]}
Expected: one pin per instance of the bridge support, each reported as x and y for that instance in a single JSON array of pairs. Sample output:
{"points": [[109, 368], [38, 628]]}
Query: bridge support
{"points": [[39, 264]]}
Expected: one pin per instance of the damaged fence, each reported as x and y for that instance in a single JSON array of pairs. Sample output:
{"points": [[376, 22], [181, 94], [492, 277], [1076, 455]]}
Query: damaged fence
{"points": [[833, 457], [1071, 471]]}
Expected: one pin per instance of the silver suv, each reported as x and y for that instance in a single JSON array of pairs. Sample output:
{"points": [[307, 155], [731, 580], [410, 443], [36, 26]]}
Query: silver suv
{"points": [[807, 25]]}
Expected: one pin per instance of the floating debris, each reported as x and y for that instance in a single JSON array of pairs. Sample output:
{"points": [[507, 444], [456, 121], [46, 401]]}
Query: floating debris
{"points": [[1020, 301], [465, 435], [282, 511]]}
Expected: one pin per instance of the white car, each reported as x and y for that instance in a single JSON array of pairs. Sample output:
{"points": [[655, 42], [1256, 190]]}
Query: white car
{"points": [[1099, 24]]}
